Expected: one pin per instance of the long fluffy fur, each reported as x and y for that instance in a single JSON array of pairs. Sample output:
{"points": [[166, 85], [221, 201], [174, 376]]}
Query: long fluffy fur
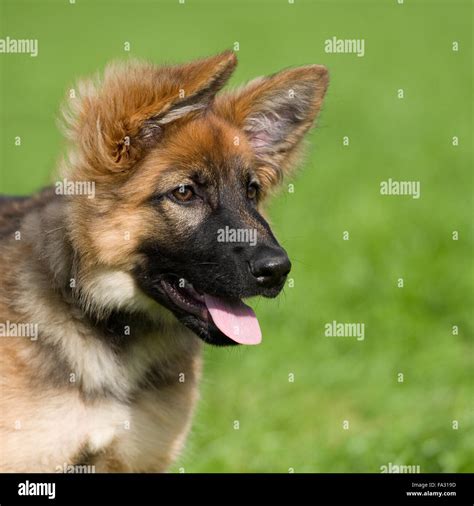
{"points": [[112, 376]]}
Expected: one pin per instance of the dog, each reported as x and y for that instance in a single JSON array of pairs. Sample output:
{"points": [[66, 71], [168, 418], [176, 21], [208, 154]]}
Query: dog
{"points": [[113, 278]]}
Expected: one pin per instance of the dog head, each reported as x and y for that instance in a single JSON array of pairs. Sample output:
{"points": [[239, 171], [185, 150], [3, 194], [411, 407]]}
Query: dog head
{"points": [[181, 174]]}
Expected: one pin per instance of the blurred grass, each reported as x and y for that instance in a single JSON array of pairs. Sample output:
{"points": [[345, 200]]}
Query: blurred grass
{"points": [[298, 424]]}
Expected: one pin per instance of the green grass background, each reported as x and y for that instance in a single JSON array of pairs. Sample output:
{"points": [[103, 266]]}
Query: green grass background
{"points": [[298, 425]]}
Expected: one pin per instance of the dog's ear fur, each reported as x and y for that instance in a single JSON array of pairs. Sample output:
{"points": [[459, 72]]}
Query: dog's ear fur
{"points": [[275, 112], [115, 121]]}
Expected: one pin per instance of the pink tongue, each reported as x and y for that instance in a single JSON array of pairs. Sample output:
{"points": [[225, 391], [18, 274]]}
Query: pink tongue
{"points": [[234, 319]]}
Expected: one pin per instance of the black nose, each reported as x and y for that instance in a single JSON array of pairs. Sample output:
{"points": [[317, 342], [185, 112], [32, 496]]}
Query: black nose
{"points": [[270, 266]]}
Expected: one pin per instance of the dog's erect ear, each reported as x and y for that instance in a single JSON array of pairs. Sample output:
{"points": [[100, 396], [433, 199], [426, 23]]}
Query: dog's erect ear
{"points": [[115, 121], [275, 112]]}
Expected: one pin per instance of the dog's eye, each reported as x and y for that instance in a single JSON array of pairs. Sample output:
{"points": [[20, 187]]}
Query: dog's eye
{"points": [[252, 191], [183, 193]]}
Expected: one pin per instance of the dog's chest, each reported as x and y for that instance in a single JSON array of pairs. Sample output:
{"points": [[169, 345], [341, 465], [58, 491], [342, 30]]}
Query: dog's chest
{"points": [[145, 435], [145, 431], [114, 410]]}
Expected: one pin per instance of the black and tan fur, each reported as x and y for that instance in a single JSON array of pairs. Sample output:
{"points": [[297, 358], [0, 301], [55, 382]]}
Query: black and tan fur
{"points": [[112, 378]]}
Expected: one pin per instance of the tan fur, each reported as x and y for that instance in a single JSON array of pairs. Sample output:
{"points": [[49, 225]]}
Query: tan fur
{"points": [[249, 105], [80, 391], [42, 425]]}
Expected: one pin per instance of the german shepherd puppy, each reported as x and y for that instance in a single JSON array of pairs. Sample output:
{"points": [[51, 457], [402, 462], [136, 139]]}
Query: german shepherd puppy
{"points": [[106, 295]]}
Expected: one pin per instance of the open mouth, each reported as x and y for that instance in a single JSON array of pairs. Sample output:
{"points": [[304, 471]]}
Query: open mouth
{"points": [[231, 317]]}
